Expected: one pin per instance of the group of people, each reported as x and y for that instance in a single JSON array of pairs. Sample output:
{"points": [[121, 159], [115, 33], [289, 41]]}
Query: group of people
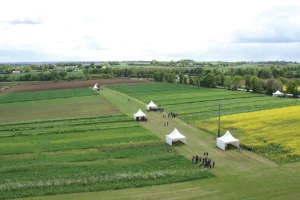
{"points": [[160, 110], [141, 119], [205, 161], [173, 115]]}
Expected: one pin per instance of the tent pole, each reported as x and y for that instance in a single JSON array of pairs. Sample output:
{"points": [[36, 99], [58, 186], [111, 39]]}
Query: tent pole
{"points": [[219, 121]]}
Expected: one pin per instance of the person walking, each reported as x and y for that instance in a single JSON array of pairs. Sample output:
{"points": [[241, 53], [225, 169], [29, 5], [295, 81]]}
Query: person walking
{"points": [[213, 164], [167, 123]]}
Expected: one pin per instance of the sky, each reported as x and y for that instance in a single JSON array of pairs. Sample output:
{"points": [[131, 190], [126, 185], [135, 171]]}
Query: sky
{"points": [[121, 30]]}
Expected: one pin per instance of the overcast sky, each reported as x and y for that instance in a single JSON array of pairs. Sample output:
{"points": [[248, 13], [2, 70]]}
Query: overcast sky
{"points": [[101, 30]]}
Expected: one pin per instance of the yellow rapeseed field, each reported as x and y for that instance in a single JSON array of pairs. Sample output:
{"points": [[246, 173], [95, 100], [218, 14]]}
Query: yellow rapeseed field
{"points": [[274, 133]]}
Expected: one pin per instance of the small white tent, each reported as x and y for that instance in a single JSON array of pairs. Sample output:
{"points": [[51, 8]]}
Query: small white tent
{"points": [[227, 138], [175, 136], [96, 87], [151, 105], [139, 114], [277, 94]]}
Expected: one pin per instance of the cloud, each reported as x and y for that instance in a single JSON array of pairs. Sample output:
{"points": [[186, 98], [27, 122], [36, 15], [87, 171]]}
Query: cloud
{"points": [[146, 30], [93, 44], [277, 25], [26, 20], [9, 55]]}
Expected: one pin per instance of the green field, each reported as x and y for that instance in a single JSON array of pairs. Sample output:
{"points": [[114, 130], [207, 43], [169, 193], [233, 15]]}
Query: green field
{"points": [[56, 108], [86, 154], [42, 95], [113, 157], [196, 103]]}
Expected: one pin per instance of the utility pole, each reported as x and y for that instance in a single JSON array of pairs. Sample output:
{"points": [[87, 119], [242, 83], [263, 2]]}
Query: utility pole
{"points": [[219, 120]]}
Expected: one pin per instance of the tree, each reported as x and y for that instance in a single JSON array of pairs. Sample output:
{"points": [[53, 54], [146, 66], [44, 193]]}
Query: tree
{"points": [[181, 78], [283, 80], [153, 62], [161, 76], [236, 80], [191, 81], [247, 82], [222, 80], [209, 80], [227, 82], [273, 85], [156, 76], [166, 77], [292, 88], [218, 80], [256, 84], [185, 79], [171, 78]]}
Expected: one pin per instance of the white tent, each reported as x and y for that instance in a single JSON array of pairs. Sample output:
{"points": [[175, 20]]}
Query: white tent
{"points": [[151, 105], [227, 138], [277, 94], [175, 136], [139, 114], [96, 87]]}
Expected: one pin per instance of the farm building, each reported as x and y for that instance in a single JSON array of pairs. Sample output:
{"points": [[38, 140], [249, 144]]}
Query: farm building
{"points": [[16, 72]]}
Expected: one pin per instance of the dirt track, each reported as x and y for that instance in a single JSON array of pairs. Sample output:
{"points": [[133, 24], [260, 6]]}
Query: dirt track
{"points": [[50, 85]]}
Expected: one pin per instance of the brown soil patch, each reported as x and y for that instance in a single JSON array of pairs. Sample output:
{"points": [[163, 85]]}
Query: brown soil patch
{"points": [[50, 85]]}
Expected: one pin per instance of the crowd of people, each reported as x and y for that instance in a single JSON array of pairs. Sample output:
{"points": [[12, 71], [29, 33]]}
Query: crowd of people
{"points": [[204, 161], [173, 115], [141, 119], [159, 110]]}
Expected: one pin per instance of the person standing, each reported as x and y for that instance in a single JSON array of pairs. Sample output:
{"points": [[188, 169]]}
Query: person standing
{"points": [[213, 164]]}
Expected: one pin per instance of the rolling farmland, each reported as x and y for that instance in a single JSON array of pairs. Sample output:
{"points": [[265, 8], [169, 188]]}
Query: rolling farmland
{"points": [[90, 149]]}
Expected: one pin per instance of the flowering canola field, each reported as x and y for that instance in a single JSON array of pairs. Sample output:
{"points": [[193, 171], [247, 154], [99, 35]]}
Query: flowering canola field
{"points": [[272, 133]]}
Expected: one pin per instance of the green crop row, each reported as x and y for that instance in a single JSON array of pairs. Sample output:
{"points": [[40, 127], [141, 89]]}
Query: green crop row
{"points": [[262, 105], [59, 142], [133, 164]]}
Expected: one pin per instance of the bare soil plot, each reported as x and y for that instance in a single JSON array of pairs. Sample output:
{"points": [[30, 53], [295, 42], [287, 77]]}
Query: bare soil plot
{"points": [[50, 85]]}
